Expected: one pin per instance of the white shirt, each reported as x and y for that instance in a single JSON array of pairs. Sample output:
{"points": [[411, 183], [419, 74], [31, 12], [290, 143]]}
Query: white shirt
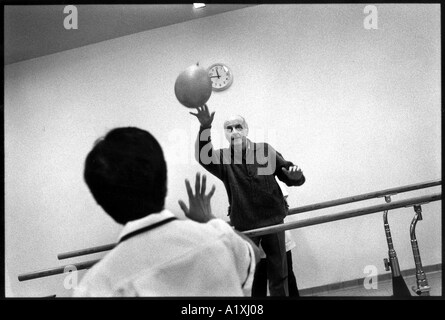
{"points": [[283, 188], [179, 258]]}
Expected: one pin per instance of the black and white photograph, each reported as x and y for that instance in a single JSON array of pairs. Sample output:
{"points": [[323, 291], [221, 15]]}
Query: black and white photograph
{"points": [[214, 151]]}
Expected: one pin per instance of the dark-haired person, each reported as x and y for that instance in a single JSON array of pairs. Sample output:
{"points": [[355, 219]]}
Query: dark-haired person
{"points": [[158, 254], [248, 171]]}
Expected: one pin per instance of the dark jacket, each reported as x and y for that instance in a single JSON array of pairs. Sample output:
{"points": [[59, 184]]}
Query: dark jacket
{"points": [[255, 199]]}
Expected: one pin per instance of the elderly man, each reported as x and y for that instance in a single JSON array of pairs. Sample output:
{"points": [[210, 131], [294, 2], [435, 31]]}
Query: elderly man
{"points": [[248, 172]]}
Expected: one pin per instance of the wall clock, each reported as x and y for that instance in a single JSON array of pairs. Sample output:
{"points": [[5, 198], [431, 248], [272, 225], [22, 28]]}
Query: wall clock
{"points": [[221, 76]]}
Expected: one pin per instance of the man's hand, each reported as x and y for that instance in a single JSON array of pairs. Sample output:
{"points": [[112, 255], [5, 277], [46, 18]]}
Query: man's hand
{"points": [[200, 209], [293, 173], [204, 116]]}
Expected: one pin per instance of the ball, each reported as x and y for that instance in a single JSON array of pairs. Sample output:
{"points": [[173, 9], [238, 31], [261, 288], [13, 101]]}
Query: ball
{"points": [[193, 86]]}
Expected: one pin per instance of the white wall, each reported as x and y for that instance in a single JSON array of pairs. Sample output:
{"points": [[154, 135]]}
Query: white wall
{"points": [[358, 110]]}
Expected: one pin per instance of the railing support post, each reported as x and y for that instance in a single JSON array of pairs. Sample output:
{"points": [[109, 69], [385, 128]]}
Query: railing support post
{"points": [[423, 289], [399, 287]]}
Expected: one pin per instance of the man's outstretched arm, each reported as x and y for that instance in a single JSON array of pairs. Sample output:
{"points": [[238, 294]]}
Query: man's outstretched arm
{"points": [[204, 152]]}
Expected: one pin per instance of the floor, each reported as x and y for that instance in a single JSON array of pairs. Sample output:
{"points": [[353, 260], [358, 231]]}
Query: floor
{"points": [[384, 288]]}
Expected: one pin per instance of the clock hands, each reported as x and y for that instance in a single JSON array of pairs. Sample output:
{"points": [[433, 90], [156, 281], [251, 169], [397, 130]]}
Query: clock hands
{"points": [[217, 74]]}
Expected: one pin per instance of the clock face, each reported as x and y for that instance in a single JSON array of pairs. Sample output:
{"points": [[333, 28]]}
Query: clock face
{"points": [[221, 76]]}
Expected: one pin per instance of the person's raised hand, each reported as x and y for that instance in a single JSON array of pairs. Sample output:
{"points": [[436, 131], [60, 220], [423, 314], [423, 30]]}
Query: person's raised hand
{"points": [[200, 209], [204, 116]]}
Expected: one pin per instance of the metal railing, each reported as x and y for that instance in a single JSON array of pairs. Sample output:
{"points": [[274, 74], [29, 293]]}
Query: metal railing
{"points": [[365, 196], [311, 207], [84, 252], [343, 215], [415, 202]]}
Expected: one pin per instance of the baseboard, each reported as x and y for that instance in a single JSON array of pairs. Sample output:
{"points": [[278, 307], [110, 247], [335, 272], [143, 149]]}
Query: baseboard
{"points": [[359, 282]]}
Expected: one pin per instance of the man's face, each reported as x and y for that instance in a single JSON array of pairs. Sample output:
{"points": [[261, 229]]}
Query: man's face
{"points": [[235, 130]]}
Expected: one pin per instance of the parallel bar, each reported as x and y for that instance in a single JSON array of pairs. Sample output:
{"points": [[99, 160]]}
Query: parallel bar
{"points": [[82, 252], [310, 207], [58, 270], [272, 229], [365, 196], [343, 215]]}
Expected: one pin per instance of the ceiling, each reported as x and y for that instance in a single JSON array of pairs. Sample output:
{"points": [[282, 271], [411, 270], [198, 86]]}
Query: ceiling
{"points": [[34, 31]]}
